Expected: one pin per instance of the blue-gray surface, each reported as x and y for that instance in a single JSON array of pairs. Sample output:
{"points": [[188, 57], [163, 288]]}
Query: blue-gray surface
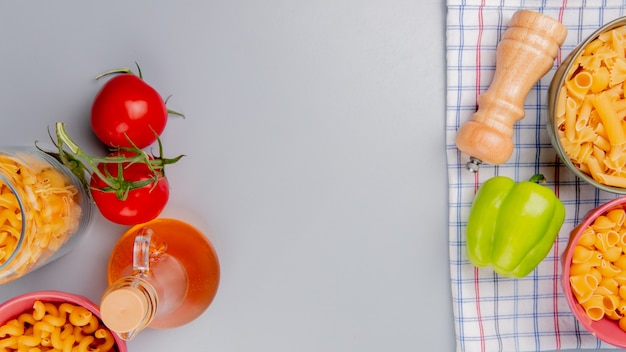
{"points": [[315, 158]]}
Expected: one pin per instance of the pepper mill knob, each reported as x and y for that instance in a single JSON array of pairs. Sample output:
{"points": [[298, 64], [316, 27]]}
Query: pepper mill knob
{"points": [[525, 53]]}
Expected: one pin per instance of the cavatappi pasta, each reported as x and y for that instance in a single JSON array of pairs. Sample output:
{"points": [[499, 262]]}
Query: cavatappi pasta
{"points": [[591, 109], [52, 212], [56, 327], [598, 268]]}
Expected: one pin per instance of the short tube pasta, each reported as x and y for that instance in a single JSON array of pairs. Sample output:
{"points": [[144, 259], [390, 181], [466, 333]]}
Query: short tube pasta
{"points": [[570, 119], [608, 116], [580, 84]]}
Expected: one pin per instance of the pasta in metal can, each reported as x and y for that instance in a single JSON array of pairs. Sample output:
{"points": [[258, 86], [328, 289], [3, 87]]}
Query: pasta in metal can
{"points": [[587, 108]]}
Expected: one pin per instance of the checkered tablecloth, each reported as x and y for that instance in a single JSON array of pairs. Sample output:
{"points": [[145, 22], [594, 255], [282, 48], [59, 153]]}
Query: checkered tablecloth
{"points": [[491, 312]]}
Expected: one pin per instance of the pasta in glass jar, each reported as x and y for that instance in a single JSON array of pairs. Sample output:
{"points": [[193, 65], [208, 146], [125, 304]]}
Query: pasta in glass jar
{"points": [[44, 210]]}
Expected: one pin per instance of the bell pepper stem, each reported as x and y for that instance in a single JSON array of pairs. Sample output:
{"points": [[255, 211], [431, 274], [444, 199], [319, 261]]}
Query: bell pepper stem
{"points": [[537, 178]]}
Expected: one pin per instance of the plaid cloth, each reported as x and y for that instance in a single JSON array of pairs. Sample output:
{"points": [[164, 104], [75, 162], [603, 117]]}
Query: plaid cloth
{"points": [[491, 312]]}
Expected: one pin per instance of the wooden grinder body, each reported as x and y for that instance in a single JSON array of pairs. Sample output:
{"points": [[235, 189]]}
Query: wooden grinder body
{"points": [[525, 53]]}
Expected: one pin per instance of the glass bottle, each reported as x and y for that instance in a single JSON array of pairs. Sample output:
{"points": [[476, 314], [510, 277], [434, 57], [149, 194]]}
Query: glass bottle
{"points": [[162, 274], [44, 211]]}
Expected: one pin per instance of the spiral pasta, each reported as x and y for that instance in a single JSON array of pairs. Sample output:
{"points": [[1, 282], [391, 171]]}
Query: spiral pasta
{"points": [[51, 327]]}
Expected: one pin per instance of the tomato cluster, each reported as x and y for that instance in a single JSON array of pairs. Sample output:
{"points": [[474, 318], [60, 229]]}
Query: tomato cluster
{"points": [[128, 205], [128, 185]]}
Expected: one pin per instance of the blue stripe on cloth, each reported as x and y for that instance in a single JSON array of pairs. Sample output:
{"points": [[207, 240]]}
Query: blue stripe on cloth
{"points": [[494, 313]]}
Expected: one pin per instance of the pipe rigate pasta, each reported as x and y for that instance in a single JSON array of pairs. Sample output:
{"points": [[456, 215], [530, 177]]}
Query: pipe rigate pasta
{"points": [[598, 268], [612, 254], [56, 327], [617, 216]]}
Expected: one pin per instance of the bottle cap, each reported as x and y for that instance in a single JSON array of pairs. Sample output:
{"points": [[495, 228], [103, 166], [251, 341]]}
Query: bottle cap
{"points": [[124, 309]]}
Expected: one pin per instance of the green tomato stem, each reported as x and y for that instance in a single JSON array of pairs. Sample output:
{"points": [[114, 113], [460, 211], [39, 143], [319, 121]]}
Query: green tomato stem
{"points": [[80, 163], [139, 70], [175, 113], [64, 138], [114, 71], [170, 111]]}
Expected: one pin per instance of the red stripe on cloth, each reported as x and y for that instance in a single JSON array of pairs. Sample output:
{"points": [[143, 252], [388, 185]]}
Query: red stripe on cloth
{"points": [[478, 42], [478, 316], [557, 190], [476, 180], [560, 19]]}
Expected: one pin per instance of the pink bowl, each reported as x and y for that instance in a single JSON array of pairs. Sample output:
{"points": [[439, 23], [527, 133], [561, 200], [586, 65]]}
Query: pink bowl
{"points": [[605, 329], [20, 304]]}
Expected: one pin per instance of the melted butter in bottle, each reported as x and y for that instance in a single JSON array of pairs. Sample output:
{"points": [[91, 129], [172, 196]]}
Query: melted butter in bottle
{"points": [[132, 302], [162, 274]]}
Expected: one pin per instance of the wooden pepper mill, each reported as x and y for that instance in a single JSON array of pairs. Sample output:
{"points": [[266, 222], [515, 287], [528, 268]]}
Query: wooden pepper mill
{"points": [[525, 53]]}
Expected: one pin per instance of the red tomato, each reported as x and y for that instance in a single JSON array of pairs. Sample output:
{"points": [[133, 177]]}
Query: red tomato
{"points": [[128, 108], [141, 205]]}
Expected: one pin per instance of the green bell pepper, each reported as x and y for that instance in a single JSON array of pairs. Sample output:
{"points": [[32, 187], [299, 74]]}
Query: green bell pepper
{"points": [[512, 227]]}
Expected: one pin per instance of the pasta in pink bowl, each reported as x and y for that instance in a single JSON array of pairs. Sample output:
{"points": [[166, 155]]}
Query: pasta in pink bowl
{"points": [[594, 272], [54, 320], [587, 109]]}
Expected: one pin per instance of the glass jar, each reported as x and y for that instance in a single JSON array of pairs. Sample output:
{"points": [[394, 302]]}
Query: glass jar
{"points": [[44, 211]]}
